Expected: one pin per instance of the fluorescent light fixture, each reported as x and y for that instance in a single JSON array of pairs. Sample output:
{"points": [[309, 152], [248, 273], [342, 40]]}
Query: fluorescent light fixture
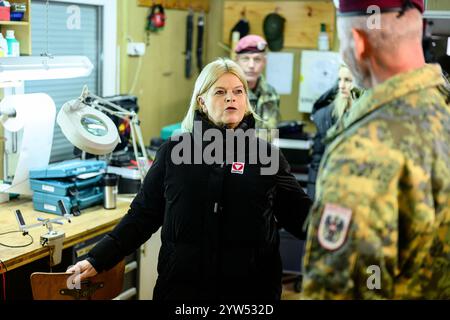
{"points": [[44, 68]]}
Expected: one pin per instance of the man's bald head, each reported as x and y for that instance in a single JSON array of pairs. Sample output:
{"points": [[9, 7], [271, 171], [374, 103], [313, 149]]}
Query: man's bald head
{"points": [[380, 42]]}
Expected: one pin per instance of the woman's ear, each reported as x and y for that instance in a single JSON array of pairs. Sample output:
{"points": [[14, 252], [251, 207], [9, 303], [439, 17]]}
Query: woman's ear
{"points": [[201, 102]]}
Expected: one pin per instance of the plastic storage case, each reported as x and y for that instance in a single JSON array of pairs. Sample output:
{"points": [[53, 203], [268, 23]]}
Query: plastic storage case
{"points": [[46, 202], [69, 186], [62, 181], [67, 169], [16, 16]]}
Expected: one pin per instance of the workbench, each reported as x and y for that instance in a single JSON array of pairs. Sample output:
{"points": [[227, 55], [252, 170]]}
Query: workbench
{"points": [[91, 223]]}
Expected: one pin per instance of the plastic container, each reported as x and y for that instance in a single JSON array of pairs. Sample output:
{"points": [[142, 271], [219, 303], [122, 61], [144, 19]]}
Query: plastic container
{"points": [[17, 16], [13, 44], [3, 46], [323, 41]]}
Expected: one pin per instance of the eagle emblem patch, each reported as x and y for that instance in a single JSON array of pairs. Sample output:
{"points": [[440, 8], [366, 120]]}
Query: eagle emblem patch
{"points": [[334, 226]]}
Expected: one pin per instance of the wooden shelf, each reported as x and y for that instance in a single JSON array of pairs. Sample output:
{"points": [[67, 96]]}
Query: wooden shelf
{"points": [[14, 23], [22, 29], [196, 5], [303, 19]]}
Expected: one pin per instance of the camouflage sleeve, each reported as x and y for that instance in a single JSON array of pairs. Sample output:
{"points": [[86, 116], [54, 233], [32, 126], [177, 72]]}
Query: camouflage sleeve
{"points": [[353, 233], [270, 112]]}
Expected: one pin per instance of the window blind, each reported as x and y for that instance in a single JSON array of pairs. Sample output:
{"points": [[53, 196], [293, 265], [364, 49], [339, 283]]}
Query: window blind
{"points": [[64, 40]]}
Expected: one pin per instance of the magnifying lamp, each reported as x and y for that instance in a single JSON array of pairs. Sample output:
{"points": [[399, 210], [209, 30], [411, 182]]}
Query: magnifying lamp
{"points": [[85, 124]]}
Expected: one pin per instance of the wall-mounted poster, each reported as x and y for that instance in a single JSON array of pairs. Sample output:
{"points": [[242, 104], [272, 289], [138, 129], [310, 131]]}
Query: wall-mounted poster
{"points": [[319, 72], [280, 71]]}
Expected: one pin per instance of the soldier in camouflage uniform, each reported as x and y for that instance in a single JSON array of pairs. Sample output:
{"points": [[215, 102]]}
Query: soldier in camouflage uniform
{"points": [[266, 103], [380, 226], [251, 57]]}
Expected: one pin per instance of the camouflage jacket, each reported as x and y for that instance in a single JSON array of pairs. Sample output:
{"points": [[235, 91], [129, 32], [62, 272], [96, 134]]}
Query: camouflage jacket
{"points": [[380, 227], [266, 103]]}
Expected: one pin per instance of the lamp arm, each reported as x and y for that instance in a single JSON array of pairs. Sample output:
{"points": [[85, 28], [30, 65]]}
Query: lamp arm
{"points": [[135, 149], [117, 111], [140, 137], [136, 133], [119, 114], [112, 105]]}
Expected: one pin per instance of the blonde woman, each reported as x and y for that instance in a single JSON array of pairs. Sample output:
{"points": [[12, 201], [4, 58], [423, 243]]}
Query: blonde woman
{"points": [[326, 117], [220, 220]]}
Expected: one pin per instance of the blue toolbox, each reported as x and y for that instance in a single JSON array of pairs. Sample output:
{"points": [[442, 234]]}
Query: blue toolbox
{"points": [[64, 187], [77, 183], [84, 199], [68, 169]]}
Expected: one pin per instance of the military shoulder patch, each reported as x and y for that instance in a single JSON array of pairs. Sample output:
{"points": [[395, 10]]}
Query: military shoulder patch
{"points": [[334, 226]]}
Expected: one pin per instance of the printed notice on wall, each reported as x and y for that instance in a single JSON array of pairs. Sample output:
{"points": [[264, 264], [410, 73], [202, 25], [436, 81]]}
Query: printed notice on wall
{"points": [[280, 71], [319, 72]]}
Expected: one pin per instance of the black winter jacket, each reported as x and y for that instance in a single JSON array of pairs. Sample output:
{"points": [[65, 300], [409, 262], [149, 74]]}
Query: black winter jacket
{"points": [[324, 120], [219, 233]]}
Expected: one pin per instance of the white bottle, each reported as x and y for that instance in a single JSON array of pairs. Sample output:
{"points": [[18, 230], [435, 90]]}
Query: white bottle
{"points": [[3, 46], [13, 44], [323, 41]]}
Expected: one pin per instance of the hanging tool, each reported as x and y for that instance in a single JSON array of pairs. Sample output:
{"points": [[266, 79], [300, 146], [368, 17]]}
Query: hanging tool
{"points": [[156, 20], [188, 53], [200, 31]]}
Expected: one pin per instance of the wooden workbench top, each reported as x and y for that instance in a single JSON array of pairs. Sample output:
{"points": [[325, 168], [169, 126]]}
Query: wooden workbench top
{"points": [[92, 222]]}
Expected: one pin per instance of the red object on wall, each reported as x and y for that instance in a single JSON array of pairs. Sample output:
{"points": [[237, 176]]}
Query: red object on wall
{"points": [[5, 13]]}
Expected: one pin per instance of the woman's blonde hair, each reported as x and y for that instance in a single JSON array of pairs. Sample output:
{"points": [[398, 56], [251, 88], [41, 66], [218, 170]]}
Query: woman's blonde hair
{"points": [[209, 75], [341, 104]]}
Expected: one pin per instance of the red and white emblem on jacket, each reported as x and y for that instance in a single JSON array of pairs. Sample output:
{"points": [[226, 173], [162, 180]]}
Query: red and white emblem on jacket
{"points": [[334, 226], [238, 167]]}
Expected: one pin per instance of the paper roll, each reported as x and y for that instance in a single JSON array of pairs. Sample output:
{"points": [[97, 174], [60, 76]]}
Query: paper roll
{"points": [[12, 124], [35, 115]]}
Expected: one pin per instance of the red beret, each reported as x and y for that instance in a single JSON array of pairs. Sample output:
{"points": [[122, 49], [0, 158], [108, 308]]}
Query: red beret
{"points": [[359, 7], [251, 44]]}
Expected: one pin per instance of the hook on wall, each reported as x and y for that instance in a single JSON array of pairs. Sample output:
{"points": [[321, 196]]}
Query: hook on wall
{"points": [[310, 11], [243, 12], [277, 9]]}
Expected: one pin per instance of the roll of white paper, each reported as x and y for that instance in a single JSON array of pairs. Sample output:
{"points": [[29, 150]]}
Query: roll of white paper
{"points": [[35, 115]]}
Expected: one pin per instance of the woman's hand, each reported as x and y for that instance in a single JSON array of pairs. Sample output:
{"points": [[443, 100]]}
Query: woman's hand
{"points": [[84, 270]]}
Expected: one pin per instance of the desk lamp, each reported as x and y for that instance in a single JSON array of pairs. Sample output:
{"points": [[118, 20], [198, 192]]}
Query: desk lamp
{"points": [[84, 123]]}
